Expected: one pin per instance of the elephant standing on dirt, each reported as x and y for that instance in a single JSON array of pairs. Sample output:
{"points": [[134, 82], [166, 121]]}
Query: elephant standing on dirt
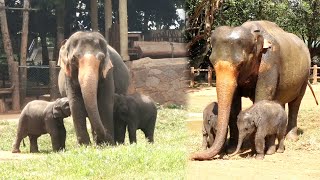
{"points": [[40, 117], [261, 61], [264, 121], [91, 72]]}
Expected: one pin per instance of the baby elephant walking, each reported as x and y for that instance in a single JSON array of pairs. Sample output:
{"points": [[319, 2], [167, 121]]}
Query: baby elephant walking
{"points": [[40, 117], [210, 116], [265, 119], [136, 111]]}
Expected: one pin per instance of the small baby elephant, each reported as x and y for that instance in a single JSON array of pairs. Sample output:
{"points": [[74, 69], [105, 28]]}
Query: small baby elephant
{"points": [[136, 111], [40, 117], [265, 119], [210, 117]]}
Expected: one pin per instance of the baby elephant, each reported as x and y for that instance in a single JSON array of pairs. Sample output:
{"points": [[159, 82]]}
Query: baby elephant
{"points": [[40, 117], [210, 116], [265, 119], [136, 111]]}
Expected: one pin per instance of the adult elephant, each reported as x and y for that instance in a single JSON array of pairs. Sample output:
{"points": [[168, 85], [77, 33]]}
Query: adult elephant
{"points": [[261, 61], [91, 72]]}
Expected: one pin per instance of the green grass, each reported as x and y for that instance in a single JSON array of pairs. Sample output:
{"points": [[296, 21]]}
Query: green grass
{"points": [[165, 159]]}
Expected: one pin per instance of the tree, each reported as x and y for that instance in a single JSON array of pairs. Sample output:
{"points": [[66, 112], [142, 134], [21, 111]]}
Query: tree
{"points": [[94, 15], [59, 7], [6, 38]]}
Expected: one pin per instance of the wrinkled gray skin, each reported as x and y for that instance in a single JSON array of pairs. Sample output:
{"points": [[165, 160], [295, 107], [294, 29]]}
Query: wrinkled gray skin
{"points": [[91, 72], [41, 117], [210, 116], [135, 111], [261, 61], [268, 121]]}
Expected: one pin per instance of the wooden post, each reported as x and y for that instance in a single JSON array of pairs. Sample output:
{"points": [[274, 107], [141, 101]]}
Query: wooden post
{"points": [[23, 82], [53, 81], [314, 74], [16, 90], [192, 77], [209, 76]]}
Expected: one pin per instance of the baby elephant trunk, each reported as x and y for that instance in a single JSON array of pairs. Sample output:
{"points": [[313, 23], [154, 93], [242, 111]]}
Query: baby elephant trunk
{"points": [[238, 146]]}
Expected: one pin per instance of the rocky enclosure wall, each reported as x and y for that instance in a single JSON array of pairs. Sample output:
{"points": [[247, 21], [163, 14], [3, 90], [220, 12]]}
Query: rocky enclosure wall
{"points": [[164, 80]]}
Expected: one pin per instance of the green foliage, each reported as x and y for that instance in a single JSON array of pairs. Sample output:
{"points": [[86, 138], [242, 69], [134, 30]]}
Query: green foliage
{"points": [[166, 158], [299, 17]]}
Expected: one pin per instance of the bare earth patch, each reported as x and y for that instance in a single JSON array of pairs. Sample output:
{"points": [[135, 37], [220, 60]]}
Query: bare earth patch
{"points": [[7, 155], [300, 160]]}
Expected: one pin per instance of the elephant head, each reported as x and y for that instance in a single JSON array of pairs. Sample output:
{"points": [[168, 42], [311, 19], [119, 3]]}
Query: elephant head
{"points": [[84, 58], [61, 108], [210, 116], [247, 126], [236, 56]]}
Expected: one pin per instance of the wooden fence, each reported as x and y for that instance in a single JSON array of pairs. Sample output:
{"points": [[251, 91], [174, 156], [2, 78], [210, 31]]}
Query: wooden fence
{"points": [[313, 75], [194, 71]]}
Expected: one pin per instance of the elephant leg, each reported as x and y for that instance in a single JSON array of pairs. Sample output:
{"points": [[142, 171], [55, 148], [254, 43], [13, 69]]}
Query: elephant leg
{"points": [[271, 144], [148, 133], [120, 133], [55, 141], [132, 134], [33, 143], [16, 145], [105, 105], [234, 133], [281, 137], [62, 137], [260, 145], [292, 129], [79, 114], [267, 82]]}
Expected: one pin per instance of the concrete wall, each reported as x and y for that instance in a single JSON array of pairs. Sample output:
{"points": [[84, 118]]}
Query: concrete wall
{"points": [[164, 80]]}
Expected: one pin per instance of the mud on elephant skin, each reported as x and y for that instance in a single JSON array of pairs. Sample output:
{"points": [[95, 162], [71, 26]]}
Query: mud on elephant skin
{"points": [[257, 60], [135, 111], [40, 117], [267, 120], [91, 72]]}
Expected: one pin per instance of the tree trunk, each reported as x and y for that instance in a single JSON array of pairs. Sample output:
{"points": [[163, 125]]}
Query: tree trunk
{"points": [[45, 53], [23, 50], [94, 15], [107, 17], [6, 38], [60, 28], [123, 21]]}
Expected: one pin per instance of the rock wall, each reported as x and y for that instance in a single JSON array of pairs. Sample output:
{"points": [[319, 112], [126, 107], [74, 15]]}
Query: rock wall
{"points": [[164, 80]]}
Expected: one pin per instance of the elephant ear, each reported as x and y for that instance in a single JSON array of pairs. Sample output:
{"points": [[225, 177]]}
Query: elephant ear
{"points": [[107, 65], [56, 110], [261, 43], [63, 60]]}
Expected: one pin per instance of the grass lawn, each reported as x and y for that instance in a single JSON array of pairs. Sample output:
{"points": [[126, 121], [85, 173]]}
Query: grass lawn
{"points": [[165, 159]]}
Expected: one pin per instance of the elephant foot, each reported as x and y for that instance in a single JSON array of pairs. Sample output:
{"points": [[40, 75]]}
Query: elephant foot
{"points": [[271, 150], [280, 150], [292, 135], [260, 156], [16, 151]]}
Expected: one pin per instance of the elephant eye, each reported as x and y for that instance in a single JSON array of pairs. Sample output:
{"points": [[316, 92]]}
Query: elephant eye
{"points": [[246, 129]]}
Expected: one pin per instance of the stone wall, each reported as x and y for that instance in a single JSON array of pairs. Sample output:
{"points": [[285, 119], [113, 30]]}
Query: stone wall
{"points": [[164, 80]]}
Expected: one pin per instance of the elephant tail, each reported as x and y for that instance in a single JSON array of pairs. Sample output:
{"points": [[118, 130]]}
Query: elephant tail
{"points": [[315, 98], [24, 145]]}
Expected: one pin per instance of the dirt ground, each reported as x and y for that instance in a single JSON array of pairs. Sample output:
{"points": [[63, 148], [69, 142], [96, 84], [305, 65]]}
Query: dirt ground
{"points": [[292, 164]]}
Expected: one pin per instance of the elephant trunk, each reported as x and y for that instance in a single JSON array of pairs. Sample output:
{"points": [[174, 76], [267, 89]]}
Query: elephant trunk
{"points": [[226, 83], [88, 79], [238, 146]]}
